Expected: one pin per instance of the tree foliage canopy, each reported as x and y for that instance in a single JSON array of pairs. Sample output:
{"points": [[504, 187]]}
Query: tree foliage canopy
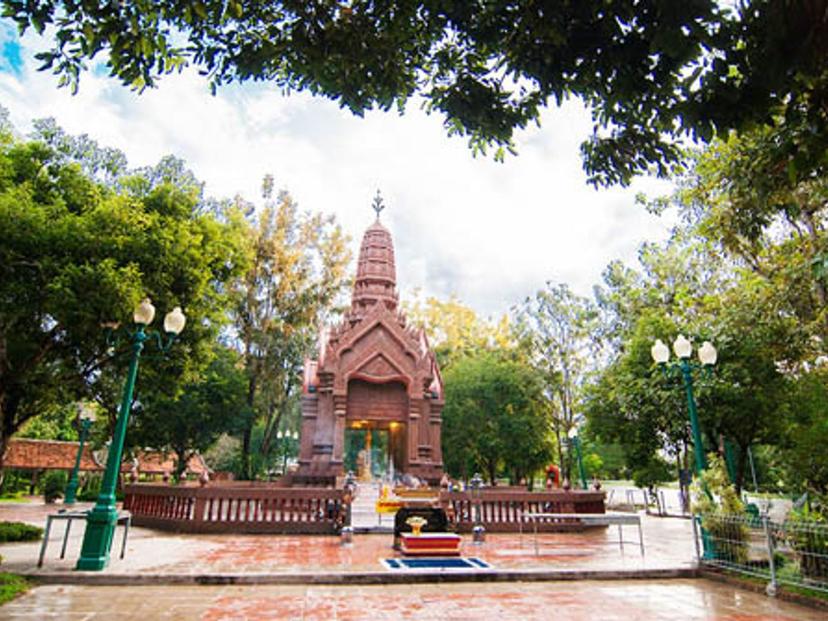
{"points": [[494, 419], [76, 253], [192, 421], [651, 71], [296, 274], [456, 331]]}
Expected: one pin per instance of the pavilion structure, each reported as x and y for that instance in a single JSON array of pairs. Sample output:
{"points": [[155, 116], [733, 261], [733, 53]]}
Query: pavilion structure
{"points": [[374, 392]]}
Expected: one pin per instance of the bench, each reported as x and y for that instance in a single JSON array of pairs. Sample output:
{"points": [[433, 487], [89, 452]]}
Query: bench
{"points": [[124, 518], [589, 519]]}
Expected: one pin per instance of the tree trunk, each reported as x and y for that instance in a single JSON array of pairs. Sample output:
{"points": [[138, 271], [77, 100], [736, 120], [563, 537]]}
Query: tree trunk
{"points": [[181, 459], [492, 473], [9, 405], [246, 473], [741, 462], [561, 461]]}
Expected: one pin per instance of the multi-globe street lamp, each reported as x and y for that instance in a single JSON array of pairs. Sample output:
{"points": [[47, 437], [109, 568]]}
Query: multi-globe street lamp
{"points": [[575, 443], [287, 436], [101, 520], [707, 358], [86, 416]]}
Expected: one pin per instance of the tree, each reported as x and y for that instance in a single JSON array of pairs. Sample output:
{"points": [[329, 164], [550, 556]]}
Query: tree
{"points": [[557, 328], [688, 286], [456, 331], [633, 404], [803, 443], [757, 201], [58, 422], [651, 71], [297, 271], [767, 215], [76, 253], [494, 419], [192, 421]]}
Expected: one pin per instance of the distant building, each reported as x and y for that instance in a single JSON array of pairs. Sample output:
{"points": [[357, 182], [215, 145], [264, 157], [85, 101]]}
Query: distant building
{"points": [[27, 454]]}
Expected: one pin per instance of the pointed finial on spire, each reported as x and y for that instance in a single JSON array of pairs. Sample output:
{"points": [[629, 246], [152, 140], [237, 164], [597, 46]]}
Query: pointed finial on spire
{"points": [[377, 205]]}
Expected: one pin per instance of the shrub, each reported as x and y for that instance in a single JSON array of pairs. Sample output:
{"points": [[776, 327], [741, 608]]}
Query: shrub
{"points": [[19, 531], [807, 533], [54, 483], [91, 488], [722, 513]]}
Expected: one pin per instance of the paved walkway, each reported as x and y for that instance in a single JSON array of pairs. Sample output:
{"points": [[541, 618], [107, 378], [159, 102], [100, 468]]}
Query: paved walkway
{"points": [[668, 547], [684, 600], [162, 559]]}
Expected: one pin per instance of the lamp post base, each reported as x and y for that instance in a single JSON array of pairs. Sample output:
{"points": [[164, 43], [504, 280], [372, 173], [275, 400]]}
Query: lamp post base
{"points": [[71, 492], [97, 540]]}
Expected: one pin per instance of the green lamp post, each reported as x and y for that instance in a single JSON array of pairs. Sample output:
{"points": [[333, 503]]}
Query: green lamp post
{"points": [[102, 518], [575, 441], [287, 436], [87, 417], [707, 358]]}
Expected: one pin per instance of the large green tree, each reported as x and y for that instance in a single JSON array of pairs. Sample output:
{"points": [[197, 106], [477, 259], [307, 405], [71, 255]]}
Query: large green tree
{"points": [[631, 403], [76, 253], [192, 421], [689, 286], [455, 330], [297, 271], [757, 203], [651, 71], [494, 419], [558, 329]]}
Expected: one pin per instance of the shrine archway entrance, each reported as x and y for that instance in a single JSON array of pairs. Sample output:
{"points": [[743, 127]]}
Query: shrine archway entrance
{"points": [[376, 430]]}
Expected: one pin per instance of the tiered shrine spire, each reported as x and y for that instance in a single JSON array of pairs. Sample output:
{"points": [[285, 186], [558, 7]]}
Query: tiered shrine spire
{"points": [[376, 278]]}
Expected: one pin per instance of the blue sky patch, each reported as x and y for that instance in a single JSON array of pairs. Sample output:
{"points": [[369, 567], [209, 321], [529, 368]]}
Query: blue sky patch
{"points": [[11, 59]]}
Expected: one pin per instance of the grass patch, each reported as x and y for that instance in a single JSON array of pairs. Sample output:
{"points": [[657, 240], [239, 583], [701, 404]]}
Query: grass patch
{"points": [[18, 531], [12, 585], [14, 497]]}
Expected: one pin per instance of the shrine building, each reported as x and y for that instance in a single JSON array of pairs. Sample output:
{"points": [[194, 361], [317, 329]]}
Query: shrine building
{"points": [[373, 397]]}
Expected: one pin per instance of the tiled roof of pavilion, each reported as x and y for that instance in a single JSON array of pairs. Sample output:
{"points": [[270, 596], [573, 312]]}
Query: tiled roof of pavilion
{"points": [[28, 454]]}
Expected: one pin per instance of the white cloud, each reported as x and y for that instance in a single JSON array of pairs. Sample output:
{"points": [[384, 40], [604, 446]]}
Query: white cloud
{"points": [[491, 233]]}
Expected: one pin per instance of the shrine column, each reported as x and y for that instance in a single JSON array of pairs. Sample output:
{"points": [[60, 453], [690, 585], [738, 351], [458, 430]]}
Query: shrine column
{"points": [[322, 429], [436, 420], [340, 411], [310, 405], [413, 433], [423, 438]]}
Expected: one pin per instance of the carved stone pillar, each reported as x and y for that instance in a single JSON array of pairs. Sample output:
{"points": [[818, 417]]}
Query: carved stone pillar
{"points": [[340, 403], [413, 434]]}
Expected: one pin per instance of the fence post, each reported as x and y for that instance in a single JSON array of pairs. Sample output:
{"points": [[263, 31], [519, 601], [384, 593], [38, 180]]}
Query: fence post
{"points": [[771, 589], [199, 506], [693, 519]]}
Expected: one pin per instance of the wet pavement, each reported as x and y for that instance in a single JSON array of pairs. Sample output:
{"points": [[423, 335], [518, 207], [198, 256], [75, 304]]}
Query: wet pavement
{"points": [[668, 545], [685, 600], [167, 557]]}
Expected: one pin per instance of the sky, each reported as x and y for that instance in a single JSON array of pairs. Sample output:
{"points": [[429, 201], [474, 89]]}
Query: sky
{"points": [[486, 232]]}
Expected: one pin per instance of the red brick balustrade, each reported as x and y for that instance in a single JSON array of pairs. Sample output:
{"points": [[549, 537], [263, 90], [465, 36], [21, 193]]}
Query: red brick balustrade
{"points": [[502, 511], [237, 508]]}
